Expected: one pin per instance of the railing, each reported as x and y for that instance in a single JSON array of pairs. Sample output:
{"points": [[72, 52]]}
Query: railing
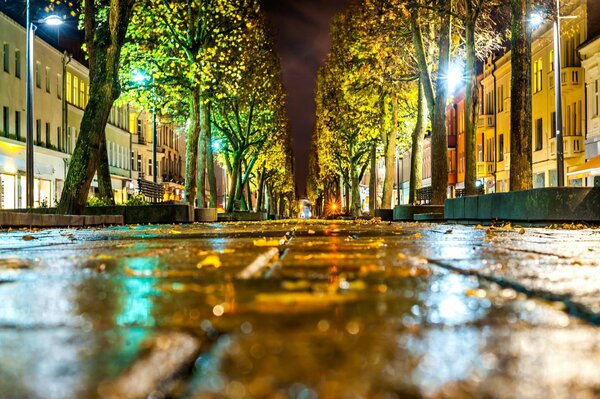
{"points": [[424, 195], [485, 169], [151, 190], [460, 192], [486, 121]]}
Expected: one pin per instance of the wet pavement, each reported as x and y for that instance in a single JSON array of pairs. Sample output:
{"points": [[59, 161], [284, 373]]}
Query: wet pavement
{"points": [[300, 310]]}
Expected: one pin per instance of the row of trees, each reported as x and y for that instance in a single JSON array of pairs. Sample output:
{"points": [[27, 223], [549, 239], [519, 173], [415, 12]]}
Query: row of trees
{"points": [[211, 65], [384, 85]]}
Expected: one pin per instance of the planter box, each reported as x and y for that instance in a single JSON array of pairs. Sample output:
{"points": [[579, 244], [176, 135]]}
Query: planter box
{"points": [[205, 215], [408, 212], [385, 214], [148, 214], [554, 204]]}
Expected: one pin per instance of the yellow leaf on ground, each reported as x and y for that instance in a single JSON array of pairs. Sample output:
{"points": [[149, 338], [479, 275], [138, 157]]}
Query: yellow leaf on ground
{"points": [[210, 261], [263, 242]]}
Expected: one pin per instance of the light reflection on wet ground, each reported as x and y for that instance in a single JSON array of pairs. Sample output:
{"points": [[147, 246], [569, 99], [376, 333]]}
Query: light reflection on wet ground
{"points": [[349, 311]]}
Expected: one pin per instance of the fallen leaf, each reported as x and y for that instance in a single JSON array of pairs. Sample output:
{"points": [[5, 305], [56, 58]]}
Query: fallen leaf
{"points": [[263, 242], [29, 238], [210, 261], [522, 231], [417, 235]]}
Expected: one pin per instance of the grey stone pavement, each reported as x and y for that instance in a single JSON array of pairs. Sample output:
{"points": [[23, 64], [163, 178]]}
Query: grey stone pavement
{"points": [[318, 309]]}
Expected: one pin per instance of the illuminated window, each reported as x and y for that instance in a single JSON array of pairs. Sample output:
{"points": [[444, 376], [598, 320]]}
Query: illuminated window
{"points": [[76, 90], [82, 99], [69, 85], [537, 76]]}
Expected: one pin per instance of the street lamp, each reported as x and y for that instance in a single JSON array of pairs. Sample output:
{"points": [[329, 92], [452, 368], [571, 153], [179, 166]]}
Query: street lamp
{"points": [[140, 78], [454, 77], [536, 20], [52, 20]]}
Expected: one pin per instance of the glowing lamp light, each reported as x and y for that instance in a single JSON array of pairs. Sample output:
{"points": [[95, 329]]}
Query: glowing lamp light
{"points": [[139, 77], [216, 145], [53, 20], [536, 20], [455, 77]]}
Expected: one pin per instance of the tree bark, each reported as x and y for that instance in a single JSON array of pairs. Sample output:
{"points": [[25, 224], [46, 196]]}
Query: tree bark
{"points": [[471, 110], [105, 191], [104, 43], [417, 39], [191, 147], [348, 196], [202, 153], [234, 188], [210, 160], [520, 104], [372, 179], [390, 157], [261, 191], [416, 159], [439, 140], [356, 208]]}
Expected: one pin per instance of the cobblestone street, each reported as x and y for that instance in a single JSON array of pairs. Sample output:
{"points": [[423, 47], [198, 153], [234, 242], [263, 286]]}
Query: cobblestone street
{"points": [[316, 309]]}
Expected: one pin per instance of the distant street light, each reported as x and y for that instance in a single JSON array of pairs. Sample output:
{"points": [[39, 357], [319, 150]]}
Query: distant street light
{"points": [[454, 77], [536, 20], [52, 20], [140, 78]]}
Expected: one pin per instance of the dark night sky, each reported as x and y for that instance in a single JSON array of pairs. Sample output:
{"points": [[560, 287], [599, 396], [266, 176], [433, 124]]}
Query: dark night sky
{"points": [[302, 34]]}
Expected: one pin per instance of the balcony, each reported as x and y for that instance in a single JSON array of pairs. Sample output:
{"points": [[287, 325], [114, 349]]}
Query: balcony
{"points": [[486, 121], [572, 146], [571, 78], [485, 169]]}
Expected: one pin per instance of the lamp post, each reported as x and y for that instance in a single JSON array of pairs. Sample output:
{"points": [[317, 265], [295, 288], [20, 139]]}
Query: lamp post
{"points": [[560, 163], [30, 28], [536, 20]]}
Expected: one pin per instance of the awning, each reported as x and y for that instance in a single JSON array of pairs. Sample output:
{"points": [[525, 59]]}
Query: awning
{"points": [[591, 167]]}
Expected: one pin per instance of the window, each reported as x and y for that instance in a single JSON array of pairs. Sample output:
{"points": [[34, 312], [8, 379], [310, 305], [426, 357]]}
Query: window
{"points": [[58, 139], [59, 86], [18, 63], [47, 80], [69, 85], [38, 132], [48, 134], [76, 90], [551, 60], [38, 78], [553, 125], [82, 99], [17, 125], [539, 135], [568, 131], [6, 57], [501, 99], [596, 98], [501, 148], [149, 167], [5, 120], [537, 76]]}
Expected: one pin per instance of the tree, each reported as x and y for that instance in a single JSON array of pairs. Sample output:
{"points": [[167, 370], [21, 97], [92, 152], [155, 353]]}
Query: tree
{"points": [[183, 44], [105, 23], [520, 103]]}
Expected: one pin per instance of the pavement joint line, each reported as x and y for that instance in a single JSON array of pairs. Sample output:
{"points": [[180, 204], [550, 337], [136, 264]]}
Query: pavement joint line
{"points": [[266, 259], [573, 308]]}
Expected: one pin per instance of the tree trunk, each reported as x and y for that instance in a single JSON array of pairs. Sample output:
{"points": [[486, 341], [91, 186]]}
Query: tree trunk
{"points": [[390, 157], [233, 189], [191, 147], [417, 39], [261, 191], [520, 104], [281, 205], [105, 191], [210, 159], [104, 43], [202, 154], [372, 178], [356, 208], [348, 196], [471, 106], [416, 159], [439, 140]]}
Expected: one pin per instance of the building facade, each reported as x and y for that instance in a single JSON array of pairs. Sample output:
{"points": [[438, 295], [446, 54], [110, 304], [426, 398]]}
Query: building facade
{"points": [[61, 92]]}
